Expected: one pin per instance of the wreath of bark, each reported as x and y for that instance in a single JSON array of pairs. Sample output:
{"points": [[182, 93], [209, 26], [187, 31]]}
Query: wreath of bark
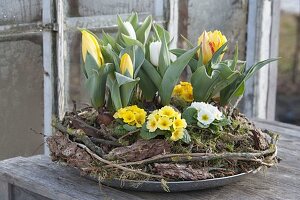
{"points": [[97, 151]]}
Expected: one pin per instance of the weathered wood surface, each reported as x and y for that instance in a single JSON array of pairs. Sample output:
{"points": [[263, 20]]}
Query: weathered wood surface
{"points": [[38, 178]]}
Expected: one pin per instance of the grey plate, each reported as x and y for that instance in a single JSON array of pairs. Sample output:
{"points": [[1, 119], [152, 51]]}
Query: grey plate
{"points": [[178, 186]]}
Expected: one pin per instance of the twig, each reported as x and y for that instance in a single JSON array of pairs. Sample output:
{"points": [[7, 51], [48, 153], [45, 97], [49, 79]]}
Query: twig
{"points": [[80, 136], [117, 165], [83, 125], [180, 158], [108, 142], [128, 134]]}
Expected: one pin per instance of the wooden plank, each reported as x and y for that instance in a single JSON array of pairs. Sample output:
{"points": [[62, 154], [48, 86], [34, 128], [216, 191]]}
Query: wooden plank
{"points": [[23, 194], [282, 128], [5, 190], [48, 56], [274, 44], [43, 177]]}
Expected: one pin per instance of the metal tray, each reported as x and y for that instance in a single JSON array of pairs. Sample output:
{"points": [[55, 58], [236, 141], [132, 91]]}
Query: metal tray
{"points": [[178, 186]]}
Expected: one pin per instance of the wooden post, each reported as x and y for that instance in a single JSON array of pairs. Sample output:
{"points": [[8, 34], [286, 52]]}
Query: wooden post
{"points": [[5, 190], [262, 43]]}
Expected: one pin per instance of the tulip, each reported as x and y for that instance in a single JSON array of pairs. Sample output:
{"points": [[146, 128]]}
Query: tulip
{"points": [[130, 30], [211, 42], [126, 64], [91, 45], [154, 49]]}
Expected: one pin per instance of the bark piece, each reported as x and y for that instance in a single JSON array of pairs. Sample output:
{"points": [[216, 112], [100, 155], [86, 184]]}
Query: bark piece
{"points": [[260, 140], [140, 150], [181, 171]]}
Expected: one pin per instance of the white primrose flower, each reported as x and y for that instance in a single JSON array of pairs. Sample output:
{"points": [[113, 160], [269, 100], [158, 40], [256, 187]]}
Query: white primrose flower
{"points": [[130, 30], [199, 105], [154, 49], [205, 116], [218, 114]]}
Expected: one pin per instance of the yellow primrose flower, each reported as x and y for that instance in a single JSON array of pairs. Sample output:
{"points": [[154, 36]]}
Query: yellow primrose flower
{"points": [[91, 45], [177, 134], [140, 119], [164, 123], [128, 117], [179, 123], [152, 125], [126, 64], [154, 115], [167, 111], [184, 90], [211, 42]]}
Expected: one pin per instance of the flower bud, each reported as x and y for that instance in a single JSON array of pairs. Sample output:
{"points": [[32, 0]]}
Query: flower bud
{"points": [[154, 49], [130, 30], [91, 45], [126, 64], [210, 43]]}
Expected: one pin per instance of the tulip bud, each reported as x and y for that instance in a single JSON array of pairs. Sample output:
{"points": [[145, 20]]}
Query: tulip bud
{"points": [[154, 49], [210, 43], [91, 45], [130, 30], [126, 64]]}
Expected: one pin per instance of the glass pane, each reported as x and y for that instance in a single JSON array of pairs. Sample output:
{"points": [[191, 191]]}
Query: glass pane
{"points": [[21, 102], [82, 8], [20, 11]]}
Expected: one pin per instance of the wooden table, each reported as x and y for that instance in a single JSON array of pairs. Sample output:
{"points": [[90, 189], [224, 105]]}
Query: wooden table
{"points": [[37, 178]]}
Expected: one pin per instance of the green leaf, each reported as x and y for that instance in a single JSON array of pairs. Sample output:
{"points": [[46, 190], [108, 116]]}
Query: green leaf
{"points": [[134, 20], [186, 137], [126, 85], [172, 75], [151, 71], [164, 56], [222, 122], [193, 62], [161, 33], [190, 45], [188, 114], [131, 42], [216, 58], [146, 135], [202, 125], [96, 85], [129, 128], [147, 86], [115, 95], [258, 66], [143, 31], [235, 58]]}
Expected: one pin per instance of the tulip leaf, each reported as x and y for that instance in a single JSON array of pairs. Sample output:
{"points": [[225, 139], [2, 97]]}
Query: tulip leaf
{"points": [[235, 58], [131, 42], [193, 62], [216, 58], [237, 88], [115, 95], [161, 33], [107, 39], [90, 65], [152, 73], [143, 31], [122, 28], [147, 86], [134, 20], [96, 85], [172, 75], [164, 56], [126, 85], [190, 45]]}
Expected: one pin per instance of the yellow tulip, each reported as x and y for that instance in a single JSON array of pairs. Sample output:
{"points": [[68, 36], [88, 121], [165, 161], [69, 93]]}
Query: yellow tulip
{"points": [[126, 64], [211, 42], [91, 45]]}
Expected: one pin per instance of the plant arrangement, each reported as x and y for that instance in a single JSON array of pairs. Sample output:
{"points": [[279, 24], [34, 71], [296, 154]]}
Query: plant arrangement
{"points": [[145, 123]]}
